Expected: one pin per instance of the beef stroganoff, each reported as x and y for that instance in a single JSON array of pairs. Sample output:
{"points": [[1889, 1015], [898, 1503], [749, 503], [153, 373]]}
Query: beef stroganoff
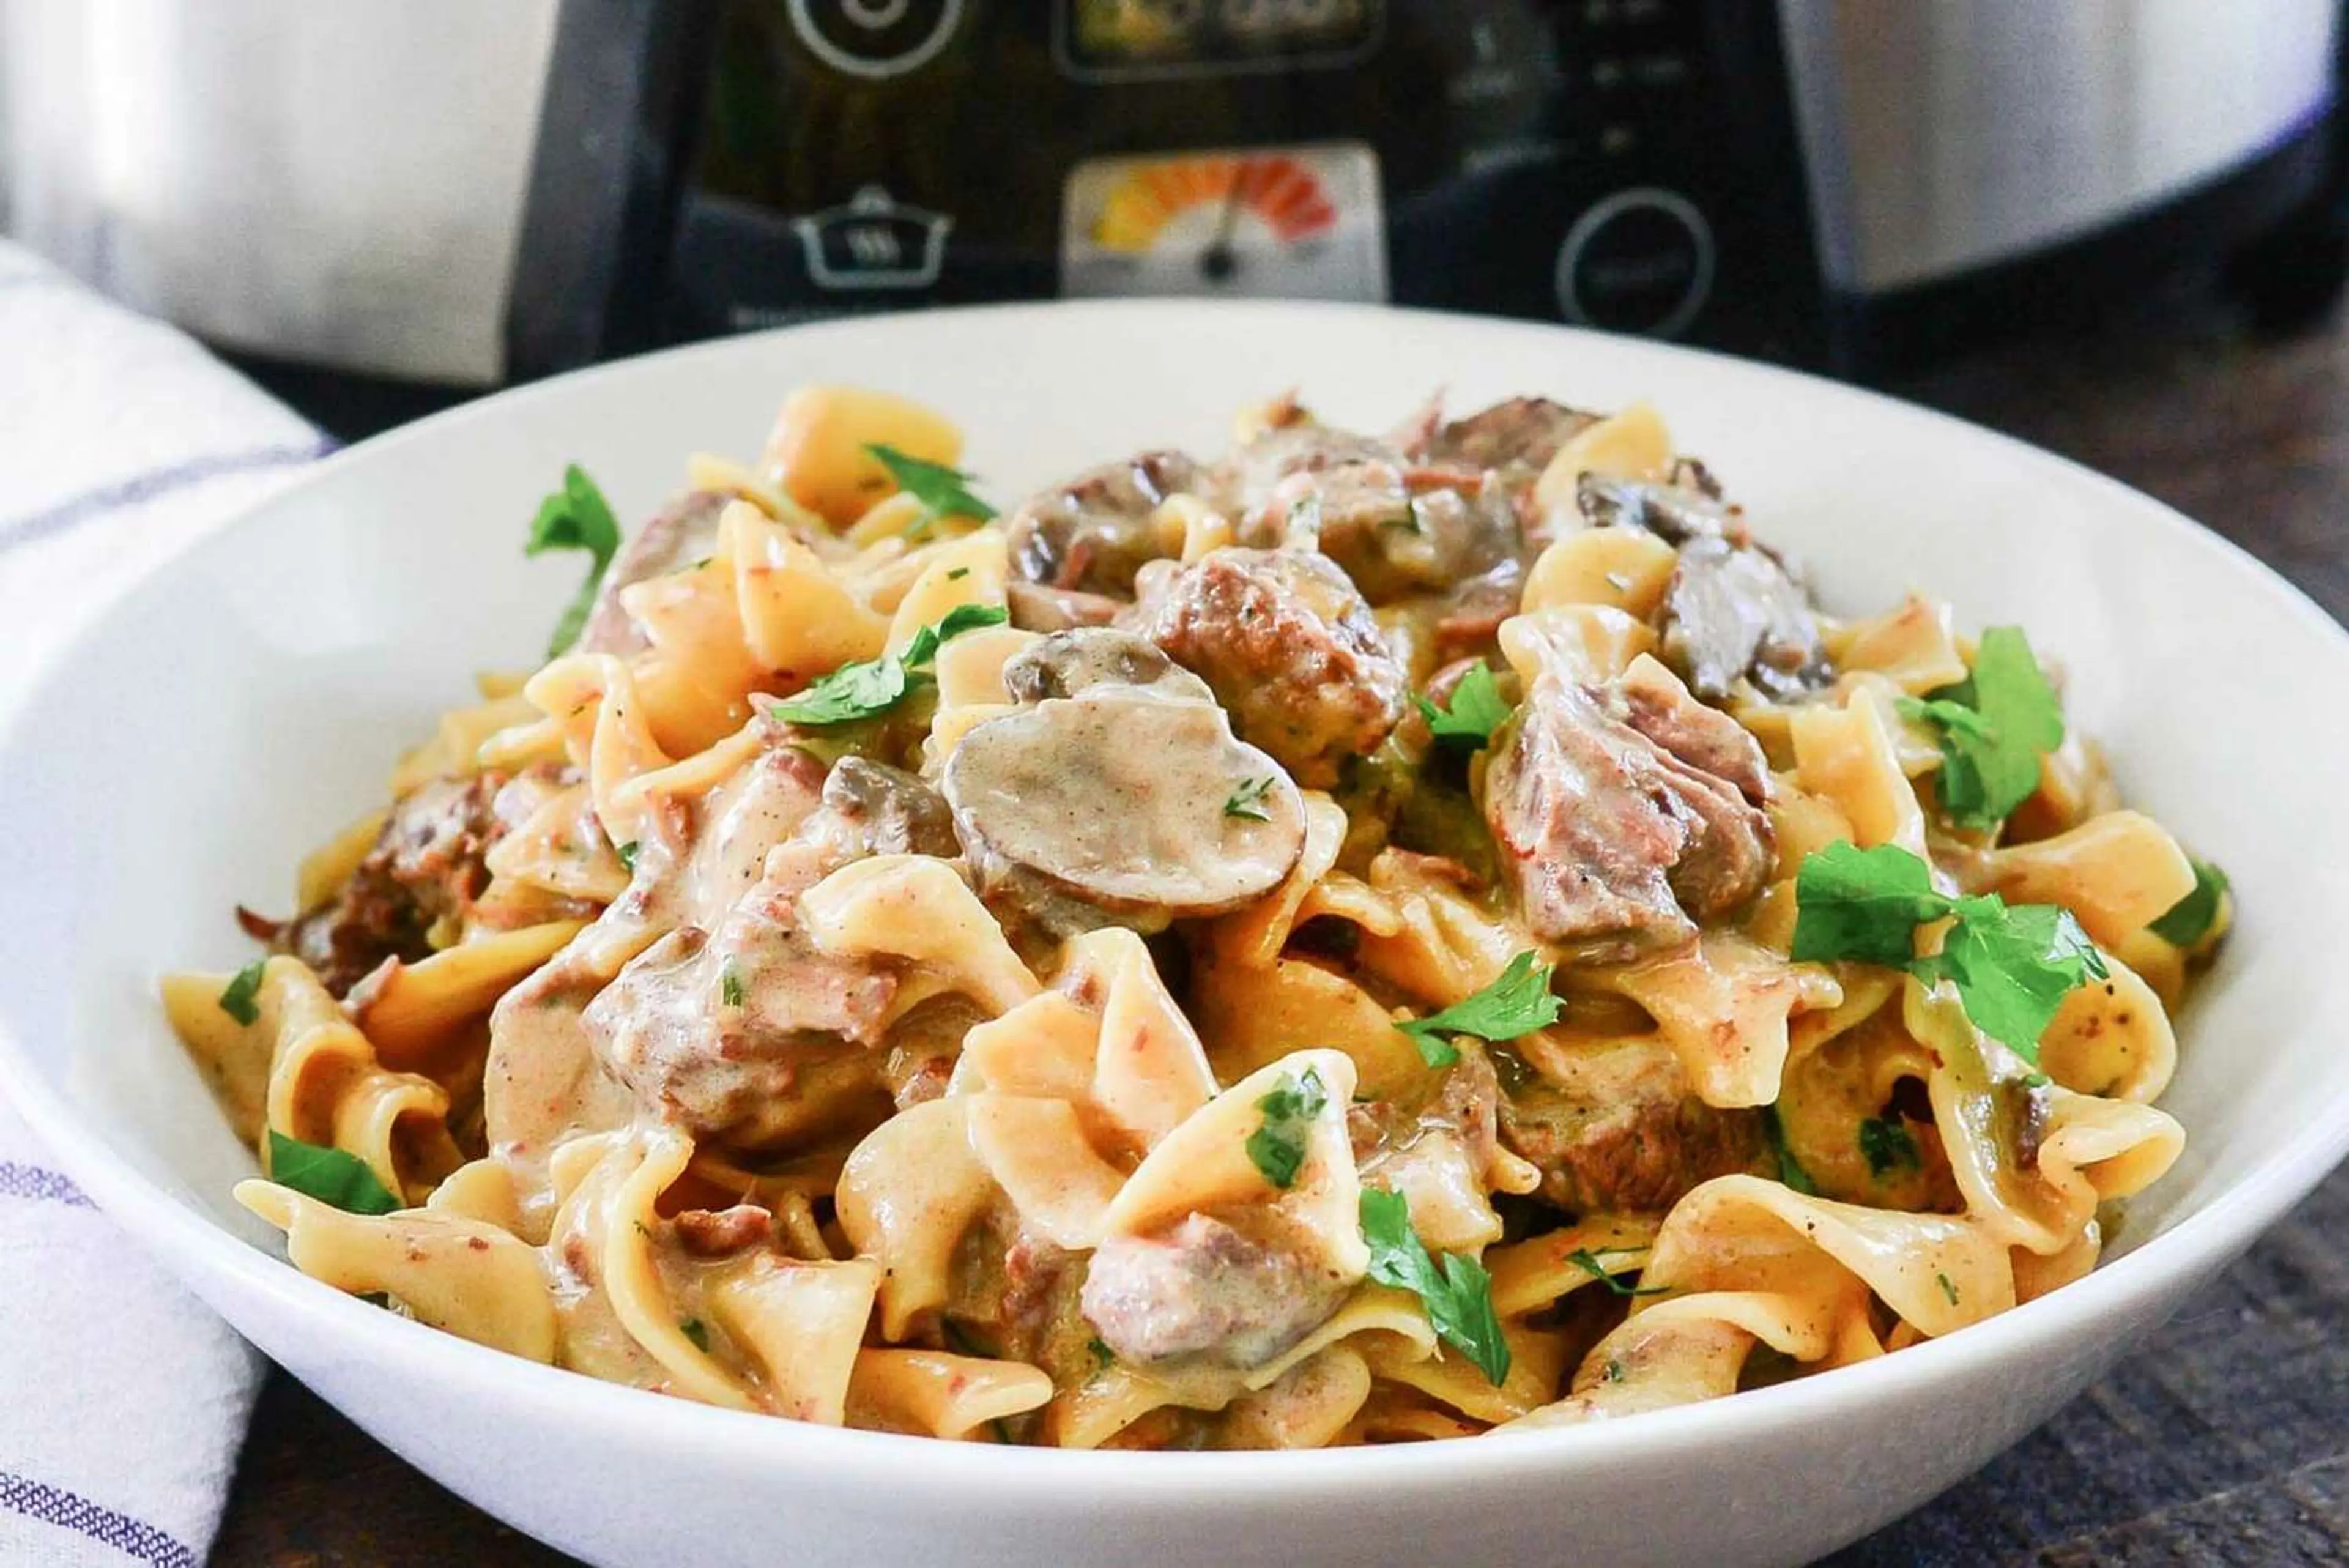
{"points": [[1356, 939]]}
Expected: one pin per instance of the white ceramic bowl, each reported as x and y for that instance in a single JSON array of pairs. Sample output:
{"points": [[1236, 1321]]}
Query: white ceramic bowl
{"points": [[248, 697]]}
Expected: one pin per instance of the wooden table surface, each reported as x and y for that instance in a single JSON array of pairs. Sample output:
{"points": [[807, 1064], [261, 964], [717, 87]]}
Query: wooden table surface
{"points": [[2226, 1439]]}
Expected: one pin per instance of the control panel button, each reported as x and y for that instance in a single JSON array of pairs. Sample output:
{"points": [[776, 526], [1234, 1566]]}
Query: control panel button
{"points": [[875, 38], [1639, 260]]}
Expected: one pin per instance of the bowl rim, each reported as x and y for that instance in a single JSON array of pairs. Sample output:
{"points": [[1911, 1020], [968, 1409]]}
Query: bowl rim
{"points": [[194, 1247]]}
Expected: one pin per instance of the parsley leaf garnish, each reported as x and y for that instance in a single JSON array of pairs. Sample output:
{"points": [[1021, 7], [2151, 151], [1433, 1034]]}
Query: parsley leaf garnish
{"points": [[1458, 1298], [2190, 919], [942, 491], [1594, 1265], [628, 854], [241, 998], [864, 687], [1887, 1146], [694, 1330], [332, 1175], [730, 983], [1863, 904], [2012, 964], [575, 517], [1791, 1173], [1948, 1291], [1994, 727], [1247, 800], [1476, 710], [1517, 1001], [1103, 1356], [1277, 1145]]}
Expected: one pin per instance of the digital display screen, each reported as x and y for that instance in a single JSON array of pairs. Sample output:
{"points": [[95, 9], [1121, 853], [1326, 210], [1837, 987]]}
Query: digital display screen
{"points": [[1130, 38]]}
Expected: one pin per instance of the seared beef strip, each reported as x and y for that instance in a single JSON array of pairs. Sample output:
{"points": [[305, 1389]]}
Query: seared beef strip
{"points": [[427, 866], [1613, 1129], [1204, 1288], [1612, 840]]}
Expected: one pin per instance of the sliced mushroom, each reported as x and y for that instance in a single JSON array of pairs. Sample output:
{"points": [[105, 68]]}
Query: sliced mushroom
{"points": [[1141, 808], [1092, 532], [883, 810], [1730, 612], [1069, 662]]}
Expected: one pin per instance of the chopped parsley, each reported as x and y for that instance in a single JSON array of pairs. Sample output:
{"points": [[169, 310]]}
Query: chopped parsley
{"points": [[575, 517], [2190, 919], [1613, 1372], [1994, 727], [958, 574], [1458, 1297], [1103, 1356], [865, 687], [1594, 1265], [1948, 1291], [333, 1176], [730, 983], [1277, 1145], [2012, 965], [241, 998], [628, 854], [1791, 1173], [944, 491], [1517, 1001], [693, 1329], [1247, 800], [1887, 1146], [1474, 711]]}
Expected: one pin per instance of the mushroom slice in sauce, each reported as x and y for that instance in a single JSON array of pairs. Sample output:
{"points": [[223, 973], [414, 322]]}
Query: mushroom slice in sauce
{"points": [[1092, 532], [1732, 610], [1069, 662], [1143, 808]]}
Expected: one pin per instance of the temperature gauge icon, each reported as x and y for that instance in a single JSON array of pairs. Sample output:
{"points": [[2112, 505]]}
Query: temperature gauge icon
{"points": [[1296, 223]]}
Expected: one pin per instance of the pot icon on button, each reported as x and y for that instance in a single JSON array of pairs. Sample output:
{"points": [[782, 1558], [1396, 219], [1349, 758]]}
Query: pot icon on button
{"points": [[874, 240]]}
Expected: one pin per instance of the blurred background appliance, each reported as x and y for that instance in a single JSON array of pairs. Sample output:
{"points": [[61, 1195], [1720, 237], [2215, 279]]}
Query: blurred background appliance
{"points": [[466, 194]]}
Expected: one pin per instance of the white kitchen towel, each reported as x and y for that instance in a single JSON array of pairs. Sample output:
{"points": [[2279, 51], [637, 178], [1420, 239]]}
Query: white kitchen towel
{"points": [[123, 1398]]}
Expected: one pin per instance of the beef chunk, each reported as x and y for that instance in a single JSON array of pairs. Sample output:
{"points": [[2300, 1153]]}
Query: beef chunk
{"points": [[1094, 533], [427, 867], [1395, 527], [748, 1035], [1613, 840], [1523, 433], [1205, 1288], [1291, 651], [1613, 1129]]}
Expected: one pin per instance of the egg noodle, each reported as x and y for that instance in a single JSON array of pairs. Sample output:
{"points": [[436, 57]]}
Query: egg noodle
{"points": [[1365, 938]]}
